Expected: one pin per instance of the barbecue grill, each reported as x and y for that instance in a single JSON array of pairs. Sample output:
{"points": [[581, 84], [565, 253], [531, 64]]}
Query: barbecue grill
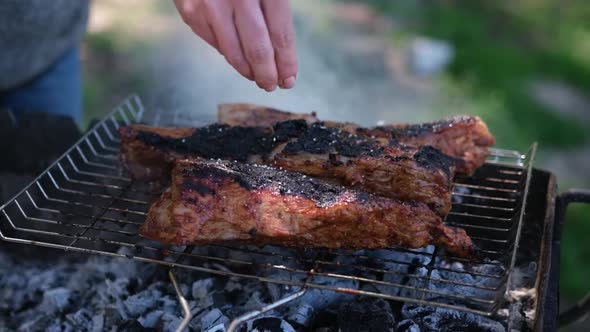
{"points": [[85, 202]]}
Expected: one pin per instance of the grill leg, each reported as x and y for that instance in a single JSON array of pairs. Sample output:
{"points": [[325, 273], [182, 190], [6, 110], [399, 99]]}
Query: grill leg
{"points": [[238, 321], [183, 303]]}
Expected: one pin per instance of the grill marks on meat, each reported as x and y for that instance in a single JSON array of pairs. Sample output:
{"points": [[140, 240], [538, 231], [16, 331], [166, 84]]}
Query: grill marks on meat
{"points": [[211, 202], [384, 168], [466, 138]]}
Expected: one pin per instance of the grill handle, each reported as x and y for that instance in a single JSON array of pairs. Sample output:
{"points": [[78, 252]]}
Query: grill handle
{"points": [[582, 308]]}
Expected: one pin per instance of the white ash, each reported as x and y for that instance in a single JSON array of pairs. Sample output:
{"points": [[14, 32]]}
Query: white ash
{"points": [[301, 314], [442, 319], [212, 319], [522, 296], [56, 300], [467, 284], [264, 324], [522, 275], [367, 314], [94, 293]]}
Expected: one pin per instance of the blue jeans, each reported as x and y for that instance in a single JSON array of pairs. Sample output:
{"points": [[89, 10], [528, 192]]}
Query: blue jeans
{"points": [[56, 91]]}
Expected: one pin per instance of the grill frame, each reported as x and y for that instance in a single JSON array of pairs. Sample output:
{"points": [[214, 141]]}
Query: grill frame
{"points": [[115, 188]]}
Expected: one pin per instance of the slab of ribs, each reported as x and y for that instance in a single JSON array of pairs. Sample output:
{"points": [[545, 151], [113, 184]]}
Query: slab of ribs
{"points": [[393, 183], [423, 174], [224, 201], [466, 138]]}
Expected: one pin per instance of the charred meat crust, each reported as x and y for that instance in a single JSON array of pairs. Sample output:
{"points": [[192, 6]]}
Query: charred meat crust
{"points": [[386, 168], [224, 141], [465, 138], [319, 139], [239, 143], [221, 201], [216, 141], [259, 177], [145, 161]]}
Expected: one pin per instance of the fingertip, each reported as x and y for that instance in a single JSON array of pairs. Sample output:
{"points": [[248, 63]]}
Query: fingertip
{"points": [[267, 88], [247, 73], [288, 82]]}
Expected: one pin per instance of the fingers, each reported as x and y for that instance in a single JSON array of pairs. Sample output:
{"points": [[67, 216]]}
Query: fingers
{"points": [[255, 36], [194, 17], [255, 40], [279, 20], [220, 15], [203, 30]]}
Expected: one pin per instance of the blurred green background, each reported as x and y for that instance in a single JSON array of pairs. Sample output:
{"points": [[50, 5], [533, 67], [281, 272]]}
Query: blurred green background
{"points": [[502, 49], [523, 66]]}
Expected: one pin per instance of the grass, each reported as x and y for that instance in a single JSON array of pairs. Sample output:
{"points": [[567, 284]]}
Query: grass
{"points": [[575, 251], [500, 48]]}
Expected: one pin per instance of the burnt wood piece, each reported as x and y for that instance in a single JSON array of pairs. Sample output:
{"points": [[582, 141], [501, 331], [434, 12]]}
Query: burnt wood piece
{"points": [[221, 201]]}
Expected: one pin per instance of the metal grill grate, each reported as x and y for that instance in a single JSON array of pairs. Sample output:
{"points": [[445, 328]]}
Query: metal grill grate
{"points": [[84, 202]]}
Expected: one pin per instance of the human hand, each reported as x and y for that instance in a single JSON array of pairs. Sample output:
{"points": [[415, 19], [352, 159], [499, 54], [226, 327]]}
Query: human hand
{"points": [[255, 36]]}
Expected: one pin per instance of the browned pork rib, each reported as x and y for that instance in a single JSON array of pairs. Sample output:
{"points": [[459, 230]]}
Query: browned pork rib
{"points": [[465, 138], [217, 201], [422, 174], [142, 157], [250, 115]]}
